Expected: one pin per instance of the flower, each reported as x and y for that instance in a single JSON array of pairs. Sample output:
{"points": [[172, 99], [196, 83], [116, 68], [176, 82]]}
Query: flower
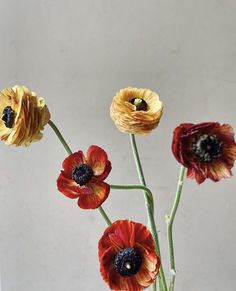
{"points": [[23, 116], [127, 256], [136, 111], [82, 177], [207, 149]]}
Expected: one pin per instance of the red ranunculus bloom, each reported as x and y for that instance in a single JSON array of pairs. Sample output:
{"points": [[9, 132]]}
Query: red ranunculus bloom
{"points": [[127, 256], [207, 150], [82, 177]]}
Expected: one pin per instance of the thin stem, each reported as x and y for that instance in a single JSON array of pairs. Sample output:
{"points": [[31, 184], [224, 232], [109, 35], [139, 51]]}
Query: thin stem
{"points": [[133, 187], [154, 287], [104, 215], [69, 151], [61, 138], [170, 220], [150, 210]]}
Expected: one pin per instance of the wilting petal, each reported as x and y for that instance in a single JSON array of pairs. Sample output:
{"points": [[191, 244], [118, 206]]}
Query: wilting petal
{"points": [[100, 192], [230, 154], [196, 174], [225, 132], [207, 150], [217, 171], [177, 140]]}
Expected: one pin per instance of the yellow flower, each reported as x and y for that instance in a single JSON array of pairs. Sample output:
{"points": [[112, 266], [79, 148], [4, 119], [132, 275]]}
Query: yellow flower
{"points": [[136, 110], [23, 116]]}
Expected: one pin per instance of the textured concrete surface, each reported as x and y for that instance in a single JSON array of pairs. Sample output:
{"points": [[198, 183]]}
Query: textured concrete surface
{"points": [[78, 54]]}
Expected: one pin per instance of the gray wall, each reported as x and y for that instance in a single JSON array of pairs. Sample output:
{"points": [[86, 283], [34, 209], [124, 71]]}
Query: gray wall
{"points": [[78, 54]]}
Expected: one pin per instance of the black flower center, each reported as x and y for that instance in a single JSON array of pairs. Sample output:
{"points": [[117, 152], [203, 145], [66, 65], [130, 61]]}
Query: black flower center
{"points": [[207, 147], [139, 103], [82, 174], [8, 116], [128, 262]]}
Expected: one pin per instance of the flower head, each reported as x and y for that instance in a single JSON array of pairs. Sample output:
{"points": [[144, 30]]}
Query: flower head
{"points": [[82, 177], [207, 149], [136, 111], [127, 256], [23, 116]]}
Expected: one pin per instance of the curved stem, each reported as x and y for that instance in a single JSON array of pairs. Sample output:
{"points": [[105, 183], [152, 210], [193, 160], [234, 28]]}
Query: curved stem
{"points": [[104, 215], [170, 219], [133, 187], [61, 138], [150, 212], [69, 151]]}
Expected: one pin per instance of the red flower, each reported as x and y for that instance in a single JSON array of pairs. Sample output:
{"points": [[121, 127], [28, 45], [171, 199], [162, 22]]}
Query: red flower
{"points": [[82, 177], [127, 256], [207, 149]]}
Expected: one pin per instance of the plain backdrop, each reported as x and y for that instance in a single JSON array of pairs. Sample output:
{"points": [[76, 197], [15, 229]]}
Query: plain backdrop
{"points": [[77, 55]]}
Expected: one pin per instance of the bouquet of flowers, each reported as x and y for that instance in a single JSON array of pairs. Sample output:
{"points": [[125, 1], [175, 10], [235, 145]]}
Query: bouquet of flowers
{"points": [[129, 252]]}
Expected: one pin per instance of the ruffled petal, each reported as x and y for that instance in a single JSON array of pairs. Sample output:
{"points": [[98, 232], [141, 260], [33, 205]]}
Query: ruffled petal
{"points": [[143, 277], [225, 132], [196, 174], [177, 141], [130, 284], [126, 116], [142, 234], [30, 116], [217, 170], [229, 154], [99, 194], [218, 166], [120, 235]]}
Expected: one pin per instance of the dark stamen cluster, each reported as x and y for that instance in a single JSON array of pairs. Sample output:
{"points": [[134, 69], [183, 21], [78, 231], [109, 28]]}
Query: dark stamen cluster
{"points": [[8, 116], [207, 147], [128, 262], [139, 103], [82, 174]]}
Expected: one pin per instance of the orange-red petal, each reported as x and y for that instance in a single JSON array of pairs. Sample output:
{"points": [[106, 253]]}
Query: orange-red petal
{"points": [[67, 187], [106, 172], [99, 193], [120, 235], [72, 161], [97, 159]]}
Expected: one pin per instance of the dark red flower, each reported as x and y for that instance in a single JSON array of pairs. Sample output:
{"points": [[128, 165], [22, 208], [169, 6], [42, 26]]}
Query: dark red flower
{"points": [[207, 150], [127, 256], [82, 177]]}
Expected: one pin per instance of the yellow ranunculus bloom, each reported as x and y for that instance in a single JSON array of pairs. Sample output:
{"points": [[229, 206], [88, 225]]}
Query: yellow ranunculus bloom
{"points": [[23, 116], [136, 110]]}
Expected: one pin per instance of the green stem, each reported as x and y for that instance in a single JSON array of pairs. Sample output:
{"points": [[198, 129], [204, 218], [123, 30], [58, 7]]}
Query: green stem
{"points": [[69, 151], [150, 208], [154, 286], [61, 138], [104, 215], [133, 187], [170, 219], [139, 187]]}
